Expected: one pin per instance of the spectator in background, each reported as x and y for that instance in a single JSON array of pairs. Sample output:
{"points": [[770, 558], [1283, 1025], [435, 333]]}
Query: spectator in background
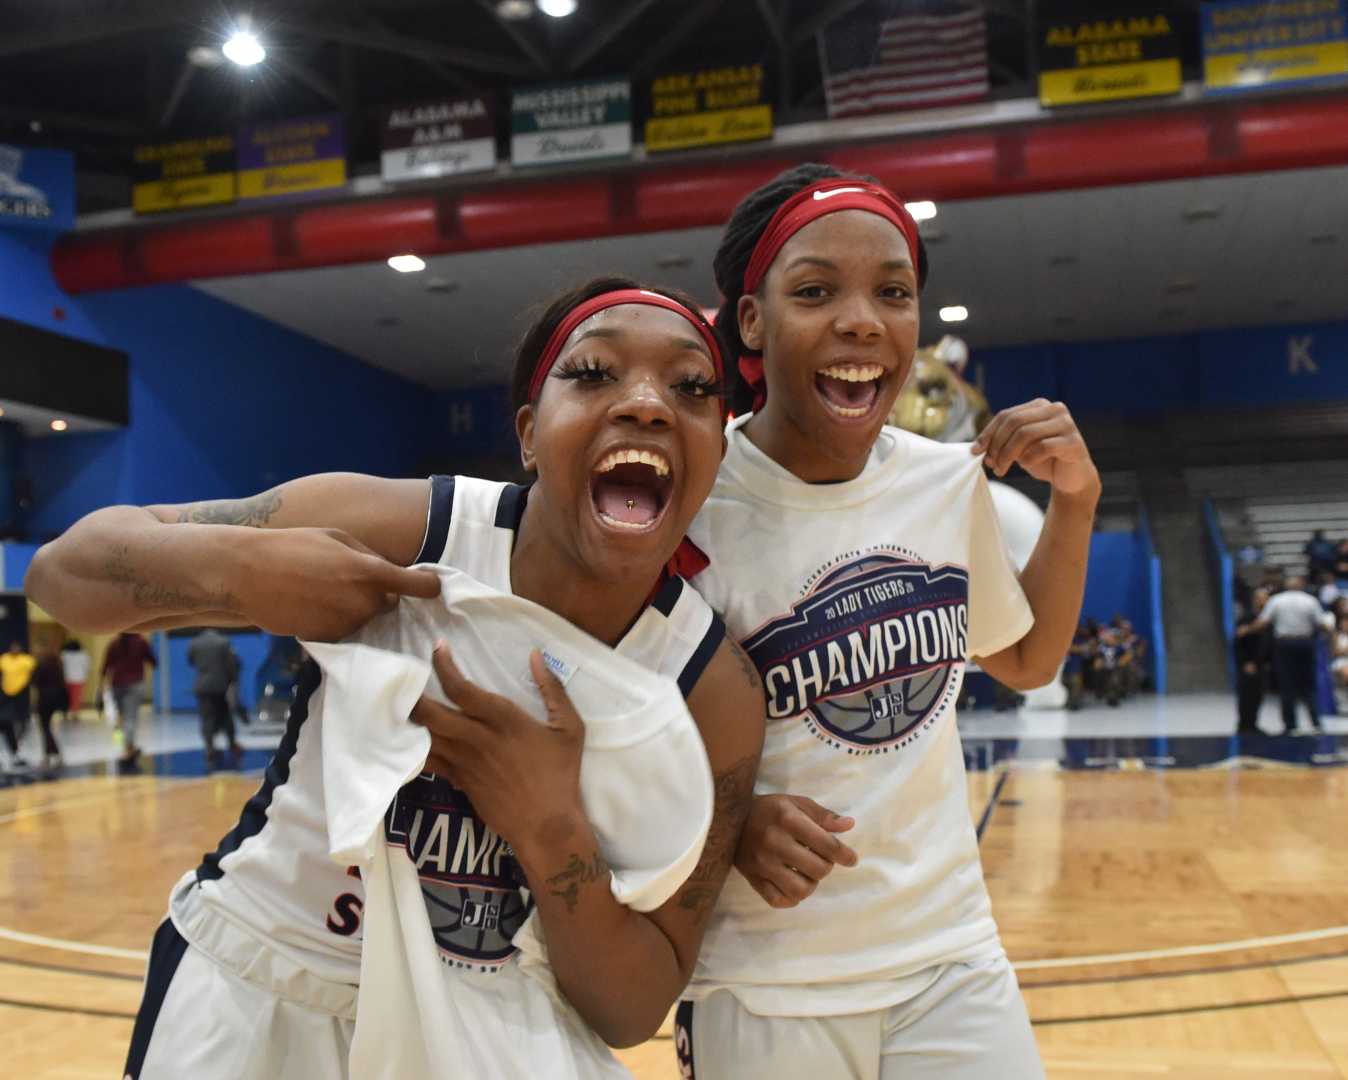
{"points": [[1111, 662], [1329, 591], [16, 677], [216, 666], [1252, 649], [124, 673], [1340, 566], [1319, 554], [1295, 617], [1338, 655], [76, 664], [1080, 656], [49, 678]]}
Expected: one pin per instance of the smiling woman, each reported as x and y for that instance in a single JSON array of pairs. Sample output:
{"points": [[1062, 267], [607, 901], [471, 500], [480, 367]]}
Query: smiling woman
{"points": [[620, 418]]}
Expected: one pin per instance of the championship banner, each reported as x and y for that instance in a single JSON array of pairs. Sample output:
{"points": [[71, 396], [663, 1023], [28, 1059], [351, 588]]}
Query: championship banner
{"points": [[1254, 44], [705, 108], [439, 138], [291, 157], [571, 122], [189, 172], [37, 188], [1107, 58]]}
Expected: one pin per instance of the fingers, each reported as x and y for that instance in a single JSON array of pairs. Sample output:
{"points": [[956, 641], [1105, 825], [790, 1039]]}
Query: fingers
{"points": [[1029, 434], [773, 895], [409, 581], [561, 712], [814, 827], [789, 884]]}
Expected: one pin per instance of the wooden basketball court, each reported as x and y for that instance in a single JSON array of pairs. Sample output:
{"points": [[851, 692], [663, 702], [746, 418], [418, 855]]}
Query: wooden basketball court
{"points": [[1186, 923]]}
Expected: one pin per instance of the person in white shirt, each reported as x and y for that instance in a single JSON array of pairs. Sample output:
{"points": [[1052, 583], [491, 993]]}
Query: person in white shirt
{"points": [[862, 566], [255, 974], [1296, 618]]}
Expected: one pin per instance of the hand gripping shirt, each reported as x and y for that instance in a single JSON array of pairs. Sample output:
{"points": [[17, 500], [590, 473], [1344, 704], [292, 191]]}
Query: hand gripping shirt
{"points": [[272, 878], [454, 977], [860, 603]]}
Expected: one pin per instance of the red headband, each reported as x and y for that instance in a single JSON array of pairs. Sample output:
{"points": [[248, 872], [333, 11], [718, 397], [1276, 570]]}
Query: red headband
{"points": [[825, 197], [581, 312]]}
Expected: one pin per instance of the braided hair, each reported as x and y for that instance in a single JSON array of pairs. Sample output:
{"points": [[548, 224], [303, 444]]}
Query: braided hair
{"points": [[747, 223]]}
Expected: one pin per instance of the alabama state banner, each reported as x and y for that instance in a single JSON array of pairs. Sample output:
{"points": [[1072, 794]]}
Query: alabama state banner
{"points": [[1107, 58]]}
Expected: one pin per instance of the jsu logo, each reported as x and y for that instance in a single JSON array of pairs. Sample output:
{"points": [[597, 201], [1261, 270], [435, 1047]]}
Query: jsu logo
{"points": [[473, 887], [874, 649], [483, 916], [887, 705]]}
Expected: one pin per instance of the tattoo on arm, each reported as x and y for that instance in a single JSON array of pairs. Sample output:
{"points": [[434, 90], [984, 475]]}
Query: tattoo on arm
{"points": [[747, 667], [153, 596], [578, 872], [254, 511], [734, 790]]}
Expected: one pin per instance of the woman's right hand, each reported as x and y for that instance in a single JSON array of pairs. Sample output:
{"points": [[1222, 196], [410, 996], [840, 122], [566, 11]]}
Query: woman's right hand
{"points": [[317, 584], [789, 845]]}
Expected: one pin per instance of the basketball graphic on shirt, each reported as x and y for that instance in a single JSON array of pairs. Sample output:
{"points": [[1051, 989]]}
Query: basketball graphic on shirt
{"points": [[473, 888], [873, 650]]}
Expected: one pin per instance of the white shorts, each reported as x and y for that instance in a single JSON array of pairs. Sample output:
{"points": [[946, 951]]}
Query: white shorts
{"points": [[969, 1024], [230, 1009]]}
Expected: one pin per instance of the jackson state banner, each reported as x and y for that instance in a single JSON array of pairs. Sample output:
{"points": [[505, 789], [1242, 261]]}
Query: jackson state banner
{"points": [[1107, 58], [1254, 44]]}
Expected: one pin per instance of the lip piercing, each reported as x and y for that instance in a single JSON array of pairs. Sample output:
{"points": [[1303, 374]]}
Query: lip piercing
{"points": [[631, 504]]}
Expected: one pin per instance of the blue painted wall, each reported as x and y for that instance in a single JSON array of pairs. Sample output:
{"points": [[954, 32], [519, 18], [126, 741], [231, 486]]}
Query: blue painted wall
{"points": [[223, 403], [251, 648], [1123, 579], [1252, 368]]}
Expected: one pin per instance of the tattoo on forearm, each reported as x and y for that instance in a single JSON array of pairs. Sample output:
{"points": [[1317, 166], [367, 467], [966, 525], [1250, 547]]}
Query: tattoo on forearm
{"points": [[254, 511], [578, 872], [734, 792], [751, 675], [154, 596]]}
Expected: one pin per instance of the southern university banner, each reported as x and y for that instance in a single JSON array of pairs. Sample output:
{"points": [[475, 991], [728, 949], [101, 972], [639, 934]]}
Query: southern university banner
{"points": [[37, 188], [1253, 44], [1107, 58]]}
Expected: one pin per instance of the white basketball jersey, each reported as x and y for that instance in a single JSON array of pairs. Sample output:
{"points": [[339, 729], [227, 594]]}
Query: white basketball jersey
{"points": [[271, 875], [860, 622]]}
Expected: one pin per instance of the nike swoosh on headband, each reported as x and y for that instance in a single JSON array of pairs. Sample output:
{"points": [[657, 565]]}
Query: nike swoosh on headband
{"points": [[835, 191]]}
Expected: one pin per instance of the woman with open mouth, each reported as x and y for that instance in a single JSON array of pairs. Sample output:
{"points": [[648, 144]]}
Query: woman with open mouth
{"points": [[620, 417], [861, 567]]}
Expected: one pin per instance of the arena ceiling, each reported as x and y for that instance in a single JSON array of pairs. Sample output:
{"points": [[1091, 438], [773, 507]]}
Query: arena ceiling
{"points": [[95, 76], [1101, 264]]}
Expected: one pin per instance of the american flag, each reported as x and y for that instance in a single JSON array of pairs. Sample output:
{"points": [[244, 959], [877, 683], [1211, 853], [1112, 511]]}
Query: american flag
{"points": [[890, 56]]}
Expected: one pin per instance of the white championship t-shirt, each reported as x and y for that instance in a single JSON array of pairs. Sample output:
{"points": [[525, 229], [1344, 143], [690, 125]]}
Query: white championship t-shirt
{"points": [[860, 602], [454, 978]]}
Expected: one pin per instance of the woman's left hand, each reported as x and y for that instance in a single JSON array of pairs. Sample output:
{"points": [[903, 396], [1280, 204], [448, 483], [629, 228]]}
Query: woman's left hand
{"points": [[522, 776], [1042, 438]]}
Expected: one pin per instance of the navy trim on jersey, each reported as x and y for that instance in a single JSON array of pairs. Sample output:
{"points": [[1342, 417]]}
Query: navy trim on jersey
{"points": [[668, 595], [510, 508], [254, 815], [706, 649], [683, 1040], [437, 520], [166, 952]]}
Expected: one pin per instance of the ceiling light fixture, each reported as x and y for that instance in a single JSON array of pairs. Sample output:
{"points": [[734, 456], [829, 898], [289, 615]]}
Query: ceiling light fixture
{"points": [[59, 425], [954, 313], [205, 56], [407, 264], [922, 210], [558, 9], [514, 10], [244, 49]]}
